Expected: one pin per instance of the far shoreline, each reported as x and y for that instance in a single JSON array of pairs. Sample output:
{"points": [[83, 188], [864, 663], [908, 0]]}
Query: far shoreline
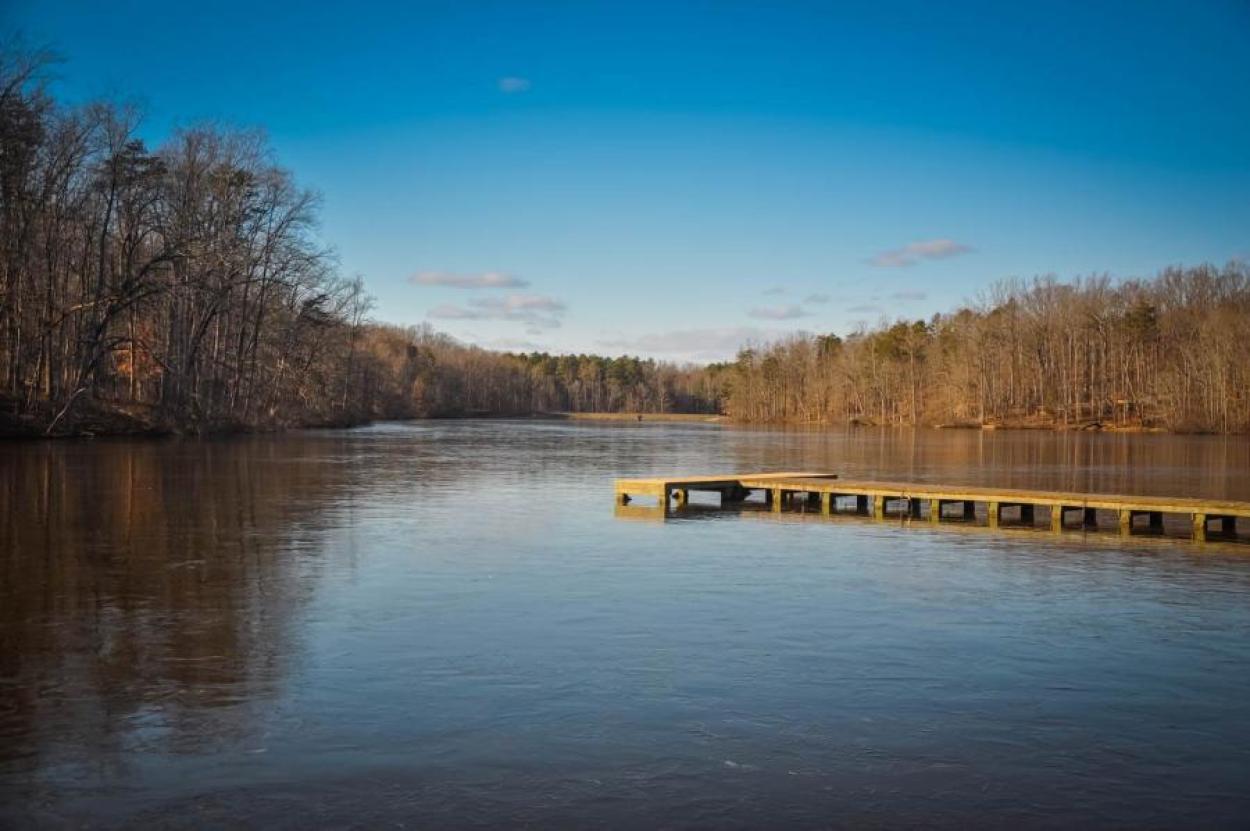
{"points": [[108, 424]]}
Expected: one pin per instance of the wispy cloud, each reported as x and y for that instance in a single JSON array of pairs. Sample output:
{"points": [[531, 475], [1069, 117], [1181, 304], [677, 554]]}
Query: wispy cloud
{"points": [[789, 312], [485, 280], [513, 345], [512, 84], [775, 290], [909, 294], [535, 310], [694, 344], [816, 299], [914, 252]]}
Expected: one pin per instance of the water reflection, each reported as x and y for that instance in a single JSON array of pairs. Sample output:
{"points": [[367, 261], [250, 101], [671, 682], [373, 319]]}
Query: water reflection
{"points": [[440, 622], [1175, 527], [147, 591]]}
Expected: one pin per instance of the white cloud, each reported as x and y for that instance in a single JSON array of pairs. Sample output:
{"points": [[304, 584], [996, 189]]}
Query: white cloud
{"points": [[695, 344], [914, 252], [512, 84], [535, 310], [513, 345], [485, 280], [777, 312]]}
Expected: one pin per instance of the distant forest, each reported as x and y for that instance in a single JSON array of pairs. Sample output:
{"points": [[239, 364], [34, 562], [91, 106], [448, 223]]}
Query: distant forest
{"points": [[1171, 352], [182, 289]]}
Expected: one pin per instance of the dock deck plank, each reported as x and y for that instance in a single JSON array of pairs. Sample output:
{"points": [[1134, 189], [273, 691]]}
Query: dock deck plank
{"points": [[830, 485], [1011, 496], [657, 485]]}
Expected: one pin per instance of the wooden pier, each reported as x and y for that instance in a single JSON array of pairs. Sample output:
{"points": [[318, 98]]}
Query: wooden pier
{"points": [[729, 486], [938, 503]]}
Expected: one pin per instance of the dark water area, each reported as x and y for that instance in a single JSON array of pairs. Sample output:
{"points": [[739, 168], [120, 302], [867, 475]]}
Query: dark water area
{"points": [[446, 624]]}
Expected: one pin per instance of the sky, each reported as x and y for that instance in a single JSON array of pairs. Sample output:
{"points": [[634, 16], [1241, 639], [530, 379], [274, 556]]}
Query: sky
{"points": [[677, 179]]}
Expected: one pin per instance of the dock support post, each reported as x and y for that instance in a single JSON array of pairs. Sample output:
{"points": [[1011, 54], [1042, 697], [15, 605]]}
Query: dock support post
{"points": [[935, 510], [622, 498], [1200, 527], [1090, 520], [861, 504], [1126, 521], [970, 510], [1027, 514], [992, 510], [826, 503], [1056, 518], [777, 495], [913, 507], [1156, 520], [878, 507]]}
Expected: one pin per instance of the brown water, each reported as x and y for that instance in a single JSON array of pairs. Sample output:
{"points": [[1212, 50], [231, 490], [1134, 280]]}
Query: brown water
{"points": [[444, 624]]}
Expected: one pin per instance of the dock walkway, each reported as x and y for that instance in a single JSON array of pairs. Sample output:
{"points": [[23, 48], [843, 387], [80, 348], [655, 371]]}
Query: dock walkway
{"points": [[943, 502], [728, 485]]}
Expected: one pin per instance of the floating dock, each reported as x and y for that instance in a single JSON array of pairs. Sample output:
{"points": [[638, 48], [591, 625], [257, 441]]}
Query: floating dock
{"points": [[938, 503]]}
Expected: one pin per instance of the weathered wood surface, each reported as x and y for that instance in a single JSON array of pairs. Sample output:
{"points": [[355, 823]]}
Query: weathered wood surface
{"points": [[930, 499], [1003, 496], [660, 485]]}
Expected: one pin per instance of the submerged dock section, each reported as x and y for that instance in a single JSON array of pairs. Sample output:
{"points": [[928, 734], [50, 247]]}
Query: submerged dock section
{"points": [[940, 503]]}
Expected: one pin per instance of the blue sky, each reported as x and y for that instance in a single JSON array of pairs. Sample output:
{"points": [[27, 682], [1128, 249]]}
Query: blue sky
{"points": [[673, 179]]}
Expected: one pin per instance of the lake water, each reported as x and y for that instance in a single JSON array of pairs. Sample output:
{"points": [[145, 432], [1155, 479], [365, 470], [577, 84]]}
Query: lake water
{"points": [[445, 624]]}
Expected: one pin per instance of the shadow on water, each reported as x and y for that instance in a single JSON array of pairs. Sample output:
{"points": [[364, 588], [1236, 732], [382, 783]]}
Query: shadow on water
{"points": [[1176, 529]]}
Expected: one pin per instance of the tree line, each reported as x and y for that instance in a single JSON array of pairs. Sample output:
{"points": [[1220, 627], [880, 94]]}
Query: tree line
{"points": [[417, 371], [183, 282], [184, 288], [1171, 352]]}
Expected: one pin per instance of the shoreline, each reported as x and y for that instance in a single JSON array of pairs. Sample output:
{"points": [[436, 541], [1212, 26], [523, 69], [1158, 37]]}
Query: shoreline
{"points": [[109, 423], [698, 418]]}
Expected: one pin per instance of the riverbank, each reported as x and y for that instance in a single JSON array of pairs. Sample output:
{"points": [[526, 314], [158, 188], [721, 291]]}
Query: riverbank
{"points": [[94, 419], [91, 419], [86, 419]]}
